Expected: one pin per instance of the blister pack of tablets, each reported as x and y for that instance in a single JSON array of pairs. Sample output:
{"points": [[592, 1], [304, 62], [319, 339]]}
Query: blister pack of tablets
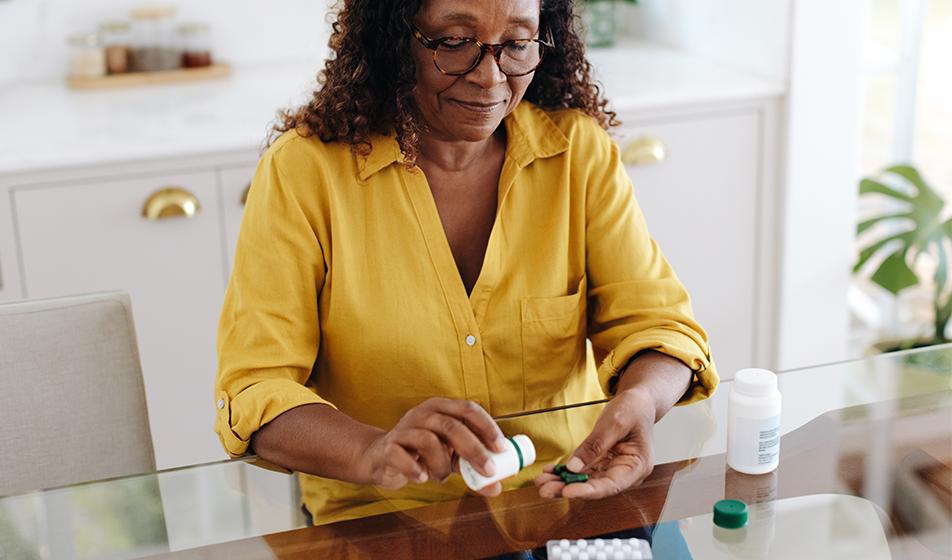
{"points": [[599, 549]]}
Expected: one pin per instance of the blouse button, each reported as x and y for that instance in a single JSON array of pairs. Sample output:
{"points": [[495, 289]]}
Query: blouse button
{"points": [[470, 340], [221, 404]]}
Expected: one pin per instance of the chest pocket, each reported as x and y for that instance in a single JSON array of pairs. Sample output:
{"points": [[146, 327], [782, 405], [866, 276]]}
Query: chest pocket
{"points": [[553, 345]]}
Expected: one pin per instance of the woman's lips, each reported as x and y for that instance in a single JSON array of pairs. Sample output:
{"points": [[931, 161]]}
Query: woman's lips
{"points": [[479, 108]]}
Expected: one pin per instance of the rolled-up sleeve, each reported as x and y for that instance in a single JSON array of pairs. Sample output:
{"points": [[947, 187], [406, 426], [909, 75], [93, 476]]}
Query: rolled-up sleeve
{"points": [[636, 301], [268, 334]]}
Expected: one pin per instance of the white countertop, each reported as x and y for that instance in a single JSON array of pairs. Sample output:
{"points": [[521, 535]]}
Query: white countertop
{"points": [[642, 77], [47, 126]]}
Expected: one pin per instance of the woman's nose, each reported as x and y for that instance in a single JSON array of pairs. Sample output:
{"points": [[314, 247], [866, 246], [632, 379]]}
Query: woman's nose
{"points": [[487, 73]]}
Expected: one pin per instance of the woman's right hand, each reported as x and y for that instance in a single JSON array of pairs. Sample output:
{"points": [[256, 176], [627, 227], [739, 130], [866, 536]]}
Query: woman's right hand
{"points": [[425, 442]]}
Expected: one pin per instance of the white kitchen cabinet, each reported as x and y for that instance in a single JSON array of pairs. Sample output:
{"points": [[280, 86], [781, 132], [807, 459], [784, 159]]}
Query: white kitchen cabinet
{"points": [[9, 272], [702, 206], [814, 50], [235, 182], [90, 236]]}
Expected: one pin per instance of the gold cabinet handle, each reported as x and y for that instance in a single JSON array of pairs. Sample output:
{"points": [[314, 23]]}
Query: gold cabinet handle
{"points": [[170, 202], [244, 194], [645, 150]]}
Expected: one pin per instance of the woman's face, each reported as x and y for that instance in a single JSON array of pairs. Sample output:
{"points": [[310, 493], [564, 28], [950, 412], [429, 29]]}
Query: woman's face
{"points": [[470, 107]]}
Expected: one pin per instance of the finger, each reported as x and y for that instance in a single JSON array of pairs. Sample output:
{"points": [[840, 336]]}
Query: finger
{"points": [[462, 440], [546, 477], [491, 490], [552, 489], [610, 427], [595, 488], [614, 480], [391, 479], [400, 460], [479, 422], [433, 454]]}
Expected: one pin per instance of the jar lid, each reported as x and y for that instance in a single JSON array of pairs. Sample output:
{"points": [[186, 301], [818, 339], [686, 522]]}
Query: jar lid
{"points": [[755, 382], [114, 26], [153, 11], [83, 40], [730, 514], [524, 449], [193, 28]]}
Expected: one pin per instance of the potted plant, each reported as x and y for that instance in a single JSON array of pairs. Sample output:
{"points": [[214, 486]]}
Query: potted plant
{"points": [[920, 229], [598, 20]]}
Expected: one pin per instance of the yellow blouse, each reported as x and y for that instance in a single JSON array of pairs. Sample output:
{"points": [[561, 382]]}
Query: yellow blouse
{"points": [[345, 292]]}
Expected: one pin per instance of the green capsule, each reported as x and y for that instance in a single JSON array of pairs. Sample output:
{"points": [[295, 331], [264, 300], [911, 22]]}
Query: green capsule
{"points": [[560, 469], [572, 478]]}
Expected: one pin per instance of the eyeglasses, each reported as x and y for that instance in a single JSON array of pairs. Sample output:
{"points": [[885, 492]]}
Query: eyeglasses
{"points": [[455, 56]]}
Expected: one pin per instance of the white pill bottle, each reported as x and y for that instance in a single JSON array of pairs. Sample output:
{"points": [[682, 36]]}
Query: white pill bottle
{"points": [[753, 422], [519, 454]]}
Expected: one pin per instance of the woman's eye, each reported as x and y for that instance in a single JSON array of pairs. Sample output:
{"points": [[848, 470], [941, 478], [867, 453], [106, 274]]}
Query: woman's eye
{"points": [[453, 43]]}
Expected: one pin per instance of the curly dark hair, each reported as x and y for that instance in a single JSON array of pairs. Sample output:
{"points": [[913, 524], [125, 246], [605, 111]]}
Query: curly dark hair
{"points": [[366, 87]]}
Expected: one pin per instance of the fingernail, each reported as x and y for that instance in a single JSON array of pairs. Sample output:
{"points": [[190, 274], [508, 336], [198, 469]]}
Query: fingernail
{"points": [[575, 465], [490, 467], [422, 477], [501, 444]]}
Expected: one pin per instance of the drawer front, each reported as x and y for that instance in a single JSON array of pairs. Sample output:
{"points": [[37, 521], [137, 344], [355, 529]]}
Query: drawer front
{"points": [[92, 236], [9, 272], [696, 180]]}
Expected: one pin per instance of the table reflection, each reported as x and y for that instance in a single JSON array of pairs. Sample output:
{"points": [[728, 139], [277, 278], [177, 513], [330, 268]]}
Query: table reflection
{"points": [[878, 429]]}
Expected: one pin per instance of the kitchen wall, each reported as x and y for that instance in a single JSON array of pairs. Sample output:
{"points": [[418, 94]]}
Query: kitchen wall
{"points": [[33, 32], [749, 35]]}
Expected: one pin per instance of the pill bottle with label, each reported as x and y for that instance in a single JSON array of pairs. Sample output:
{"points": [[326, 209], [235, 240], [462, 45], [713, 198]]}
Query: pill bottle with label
{"points": [[519, 454], [753, 422]]}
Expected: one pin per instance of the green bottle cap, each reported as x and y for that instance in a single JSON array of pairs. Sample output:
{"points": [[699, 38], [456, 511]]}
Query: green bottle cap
{"points": [[730, 514]]}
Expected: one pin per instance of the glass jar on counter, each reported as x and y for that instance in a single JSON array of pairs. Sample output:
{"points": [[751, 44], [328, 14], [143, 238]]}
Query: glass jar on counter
{"points": [[86, 56], [117, 41], [196, 43], [154, 47]]}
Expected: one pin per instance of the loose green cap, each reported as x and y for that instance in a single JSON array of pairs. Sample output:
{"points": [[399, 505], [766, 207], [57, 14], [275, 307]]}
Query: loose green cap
{"points": [[730, 514]]}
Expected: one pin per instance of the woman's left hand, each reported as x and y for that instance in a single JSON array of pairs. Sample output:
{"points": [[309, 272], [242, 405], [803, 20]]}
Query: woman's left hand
{"points": [[616, 455]]}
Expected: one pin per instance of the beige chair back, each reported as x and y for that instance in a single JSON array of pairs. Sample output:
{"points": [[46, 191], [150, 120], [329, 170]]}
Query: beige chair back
{"points": [[72, 401]]}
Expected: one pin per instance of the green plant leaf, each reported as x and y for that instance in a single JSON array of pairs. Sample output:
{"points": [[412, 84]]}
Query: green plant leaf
{"points": [[943, 315], [912, 175], [894, 274], [871, 250], [943, 309], [941, 268], [869, 186], [865, 225], [924, 214]]}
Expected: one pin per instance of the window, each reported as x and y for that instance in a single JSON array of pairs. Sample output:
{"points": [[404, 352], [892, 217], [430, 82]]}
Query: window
{"points": [[907, 119]]}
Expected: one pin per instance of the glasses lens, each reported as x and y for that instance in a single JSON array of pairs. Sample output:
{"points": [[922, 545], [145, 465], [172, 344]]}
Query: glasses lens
{"points": [[456, 55], [520, 57]]}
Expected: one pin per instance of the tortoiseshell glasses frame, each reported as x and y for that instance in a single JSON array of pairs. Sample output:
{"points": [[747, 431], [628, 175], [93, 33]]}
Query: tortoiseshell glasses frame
{"points": [[446, 46]]}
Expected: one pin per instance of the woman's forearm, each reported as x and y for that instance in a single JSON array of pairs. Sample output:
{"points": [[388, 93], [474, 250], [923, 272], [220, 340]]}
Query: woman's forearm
{"points": [[665, 378], [317, 439]]}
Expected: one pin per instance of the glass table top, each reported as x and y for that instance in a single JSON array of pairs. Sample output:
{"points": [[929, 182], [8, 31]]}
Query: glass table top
{"points": [[864, 473]]}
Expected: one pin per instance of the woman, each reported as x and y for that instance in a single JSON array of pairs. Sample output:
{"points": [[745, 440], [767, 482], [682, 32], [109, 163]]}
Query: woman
{"points": [[429, 244]]}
